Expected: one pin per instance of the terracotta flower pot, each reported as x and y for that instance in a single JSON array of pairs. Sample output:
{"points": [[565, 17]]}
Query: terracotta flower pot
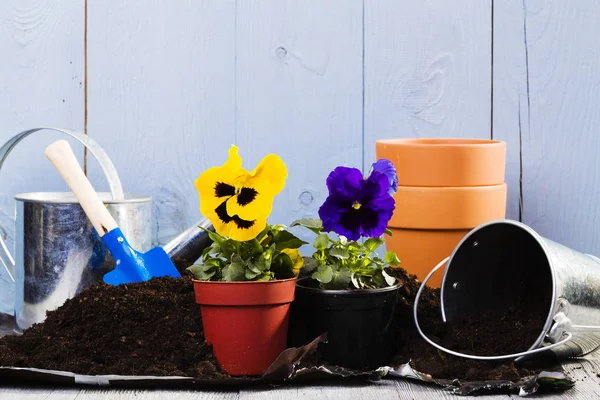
{"points": [[448, 207], [445, 161], [446, 188], [246, 322], [422, 249]]}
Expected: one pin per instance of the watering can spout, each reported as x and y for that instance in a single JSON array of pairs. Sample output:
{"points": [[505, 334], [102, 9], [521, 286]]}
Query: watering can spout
{"points": [[189, 245]]}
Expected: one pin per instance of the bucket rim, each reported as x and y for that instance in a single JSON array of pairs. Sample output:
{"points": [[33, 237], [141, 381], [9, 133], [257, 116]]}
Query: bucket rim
{"points": [[69, 198], [539, 239]]}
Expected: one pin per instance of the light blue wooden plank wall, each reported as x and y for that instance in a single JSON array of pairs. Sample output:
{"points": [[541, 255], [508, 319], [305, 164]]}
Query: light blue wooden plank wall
{"points": [[546, 92], [172, 84]]}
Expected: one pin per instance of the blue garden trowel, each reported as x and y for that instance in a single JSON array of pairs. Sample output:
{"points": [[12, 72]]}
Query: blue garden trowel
{"points": [[132, 266]]}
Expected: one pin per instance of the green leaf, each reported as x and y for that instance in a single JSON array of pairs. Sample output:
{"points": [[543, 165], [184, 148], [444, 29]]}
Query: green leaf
{"points": [[373, 244], [287, 240], [285, 261], [202, 272], [228, 248], [310, 264], [264, 261], [282, 266], [235, 271], [323, 274], [341, 279], [379, 280], [339, 252], [321, 242], [354, 247], [391, 258], [251, 274], [377, 261], [213, 262], [314, 224], [255, 246], [388, 232], [263, 233], [264, 277], [215, 237]]}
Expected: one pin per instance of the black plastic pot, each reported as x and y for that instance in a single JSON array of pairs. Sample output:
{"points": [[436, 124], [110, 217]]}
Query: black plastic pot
{"points": [[358, 323]]}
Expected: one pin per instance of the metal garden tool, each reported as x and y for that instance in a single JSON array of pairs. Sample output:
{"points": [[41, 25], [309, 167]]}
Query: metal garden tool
{"points": [[131, 265]]}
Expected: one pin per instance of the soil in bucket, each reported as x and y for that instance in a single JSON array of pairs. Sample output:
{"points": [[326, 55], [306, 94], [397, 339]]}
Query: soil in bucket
{"points": [[493, 333]]}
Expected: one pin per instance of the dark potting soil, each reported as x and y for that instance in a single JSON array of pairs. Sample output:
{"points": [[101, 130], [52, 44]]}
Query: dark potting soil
{"points": [[155, 328], [492, 333], [149, 328]]}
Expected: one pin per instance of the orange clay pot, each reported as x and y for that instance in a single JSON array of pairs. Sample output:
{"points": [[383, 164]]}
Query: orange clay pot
{"points": [[428, 223], [246, 322], [421, 250], [446, 188], [448, 207], [445, 162]]}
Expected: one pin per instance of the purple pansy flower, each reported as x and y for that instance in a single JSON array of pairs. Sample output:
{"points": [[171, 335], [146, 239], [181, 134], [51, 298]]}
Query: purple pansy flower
{"points": [[388, 169], [357, 206]]}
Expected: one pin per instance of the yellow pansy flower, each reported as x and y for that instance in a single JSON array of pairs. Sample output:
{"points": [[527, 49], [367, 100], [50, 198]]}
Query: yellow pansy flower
{"points": [[238, 202], [297, 259]]}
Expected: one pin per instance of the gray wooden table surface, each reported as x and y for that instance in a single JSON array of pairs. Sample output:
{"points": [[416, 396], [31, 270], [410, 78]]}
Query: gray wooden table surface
{"points": [[584, 371]]}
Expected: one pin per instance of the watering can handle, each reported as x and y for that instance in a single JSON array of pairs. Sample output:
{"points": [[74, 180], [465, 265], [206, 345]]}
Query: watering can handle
{"points": [[566, 335], [105, 163]]}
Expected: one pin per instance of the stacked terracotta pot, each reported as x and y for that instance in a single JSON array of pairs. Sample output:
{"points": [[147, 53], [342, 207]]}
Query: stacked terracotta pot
{"points": [[446, 188]]}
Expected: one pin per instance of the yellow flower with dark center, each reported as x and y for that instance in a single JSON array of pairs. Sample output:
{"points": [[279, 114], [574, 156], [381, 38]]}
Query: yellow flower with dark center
{"points": [[236, 201]]}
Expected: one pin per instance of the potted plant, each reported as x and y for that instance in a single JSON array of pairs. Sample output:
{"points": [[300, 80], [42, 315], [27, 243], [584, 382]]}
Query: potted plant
{"points": [[343, 288], [246, 279]]}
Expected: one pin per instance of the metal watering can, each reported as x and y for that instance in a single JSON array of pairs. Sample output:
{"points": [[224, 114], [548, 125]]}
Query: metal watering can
{"points": [[500, 261], [57, 251]]}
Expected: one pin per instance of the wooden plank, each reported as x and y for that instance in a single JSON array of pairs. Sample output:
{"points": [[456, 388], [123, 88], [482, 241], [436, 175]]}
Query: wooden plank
{"points": [[130, 394], [39, 393], [298, 79], [426, 70], [161, 98], [585, 373], [349, 390], [41, 66], [511, 120], [562, 90]]}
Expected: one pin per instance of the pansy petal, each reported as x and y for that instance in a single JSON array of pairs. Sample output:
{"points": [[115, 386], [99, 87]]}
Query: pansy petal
{"points": [[387, 168], [247, 231], [376, 215], [259, 189], [270, 171], [345, 183], [215, 185], [338, 217], [375, 186]]}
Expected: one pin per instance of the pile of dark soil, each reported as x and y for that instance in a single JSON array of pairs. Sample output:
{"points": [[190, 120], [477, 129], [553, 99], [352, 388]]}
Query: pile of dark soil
{"points": [[155, 328], [489, 334], [149, 328]]}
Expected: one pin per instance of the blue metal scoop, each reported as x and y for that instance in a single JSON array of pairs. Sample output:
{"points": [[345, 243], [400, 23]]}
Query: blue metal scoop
{"points": [[132, 266]]}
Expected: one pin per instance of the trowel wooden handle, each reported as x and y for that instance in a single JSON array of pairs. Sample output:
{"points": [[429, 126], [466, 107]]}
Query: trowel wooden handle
{"points": [[61, 156]]}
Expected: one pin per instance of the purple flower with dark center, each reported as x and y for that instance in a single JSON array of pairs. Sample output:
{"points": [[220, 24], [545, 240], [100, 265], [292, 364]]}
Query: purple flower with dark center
{"points": [[387, 168], [357, 207]]}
